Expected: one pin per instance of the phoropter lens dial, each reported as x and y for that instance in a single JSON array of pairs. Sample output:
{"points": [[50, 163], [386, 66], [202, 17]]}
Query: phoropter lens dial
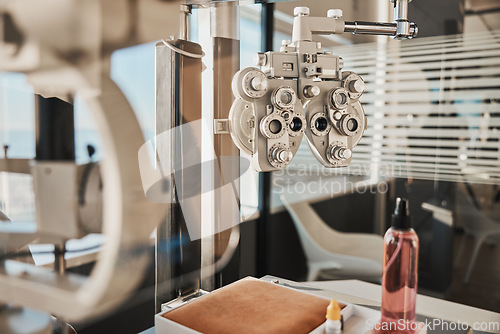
{"points": [[349, 125], [273, 126], [297, 125], [339, 98], [284, 98], [319, 124]]}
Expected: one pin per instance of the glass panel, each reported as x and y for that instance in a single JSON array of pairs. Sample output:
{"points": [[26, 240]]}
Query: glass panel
{"points": [[250, 40], [17, 130]]}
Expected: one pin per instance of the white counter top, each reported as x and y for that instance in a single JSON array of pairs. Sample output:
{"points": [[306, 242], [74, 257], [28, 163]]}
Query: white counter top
{"points": [[427, 306]]}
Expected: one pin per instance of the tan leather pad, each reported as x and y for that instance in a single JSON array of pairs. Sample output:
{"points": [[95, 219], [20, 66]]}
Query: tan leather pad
{"points": [[252, 306]]}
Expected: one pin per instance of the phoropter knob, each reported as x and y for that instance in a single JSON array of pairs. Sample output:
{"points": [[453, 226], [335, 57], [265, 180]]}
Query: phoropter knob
{"points": [[337, 153], [282, 155], [335, 13], [357, 86], [301, 11], [260, 83], [311, 91], [260, 59]]}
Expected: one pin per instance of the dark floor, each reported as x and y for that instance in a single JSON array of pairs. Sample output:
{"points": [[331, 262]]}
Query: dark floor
{"points": [[483, 288]]}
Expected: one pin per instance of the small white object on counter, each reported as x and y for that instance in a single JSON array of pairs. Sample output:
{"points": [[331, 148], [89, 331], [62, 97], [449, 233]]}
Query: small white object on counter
{"points": [[333, 323], [333, 327]]}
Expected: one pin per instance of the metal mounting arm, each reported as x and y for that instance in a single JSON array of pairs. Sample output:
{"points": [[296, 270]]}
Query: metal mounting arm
{"points": [[403, 26], [380, 28], [305, 26]]}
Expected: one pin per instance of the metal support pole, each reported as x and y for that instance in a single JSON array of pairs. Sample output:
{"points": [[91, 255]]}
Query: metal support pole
{"points": [[178, 102], [226, 57], [267, 39], [60, 326], [185, 14], [55, 141], [59, 261]]}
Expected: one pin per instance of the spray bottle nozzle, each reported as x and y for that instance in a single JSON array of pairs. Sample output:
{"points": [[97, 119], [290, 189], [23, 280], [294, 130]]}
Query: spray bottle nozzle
{"points": [[401, 216], [402, 208]]}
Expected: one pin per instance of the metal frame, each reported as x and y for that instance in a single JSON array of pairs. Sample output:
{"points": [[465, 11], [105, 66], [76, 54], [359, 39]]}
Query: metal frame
{"points": [[264, 201]]}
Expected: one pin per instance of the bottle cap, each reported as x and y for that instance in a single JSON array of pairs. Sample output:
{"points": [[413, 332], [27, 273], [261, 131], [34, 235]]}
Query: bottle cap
{"points": [[333, 311], [401, 219]]}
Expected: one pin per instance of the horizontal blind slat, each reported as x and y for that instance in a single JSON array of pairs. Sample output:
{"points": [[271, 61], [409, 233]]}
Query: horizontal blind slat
{"points": [[433, 109]]}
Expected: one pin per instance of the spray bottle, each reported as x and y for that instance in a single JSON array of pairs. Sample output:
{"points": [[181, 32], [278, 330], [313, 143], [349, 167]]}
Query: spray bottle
{"points": [[399, 278]]}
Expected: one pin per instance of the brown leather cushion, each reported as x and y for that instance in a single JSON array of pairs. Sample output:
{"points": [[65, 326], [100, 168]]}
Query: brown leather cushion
{"points": [[252, 306]]}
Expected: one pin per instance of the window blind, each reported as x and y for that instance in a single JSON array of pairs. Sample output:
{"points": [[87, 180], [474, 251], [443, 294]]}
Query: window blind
{"points": [[433, 109]]}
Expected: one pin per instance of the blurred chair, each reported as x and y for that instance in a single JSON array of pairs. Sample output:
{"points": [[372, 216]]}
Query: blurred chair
{"points": [[331, 254], [478, 224], [436, 245]]}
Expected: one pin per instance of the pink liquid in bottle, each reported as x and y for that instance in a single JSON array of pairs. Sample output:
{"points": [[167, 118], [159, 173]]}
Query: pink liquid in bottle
{"points": [[399, 278]]}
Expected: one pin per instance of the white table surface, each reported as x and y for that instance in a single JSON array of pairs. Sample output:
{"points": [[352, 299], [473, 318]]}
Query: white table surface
{"points": [[427, 306], [363, 293]]}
